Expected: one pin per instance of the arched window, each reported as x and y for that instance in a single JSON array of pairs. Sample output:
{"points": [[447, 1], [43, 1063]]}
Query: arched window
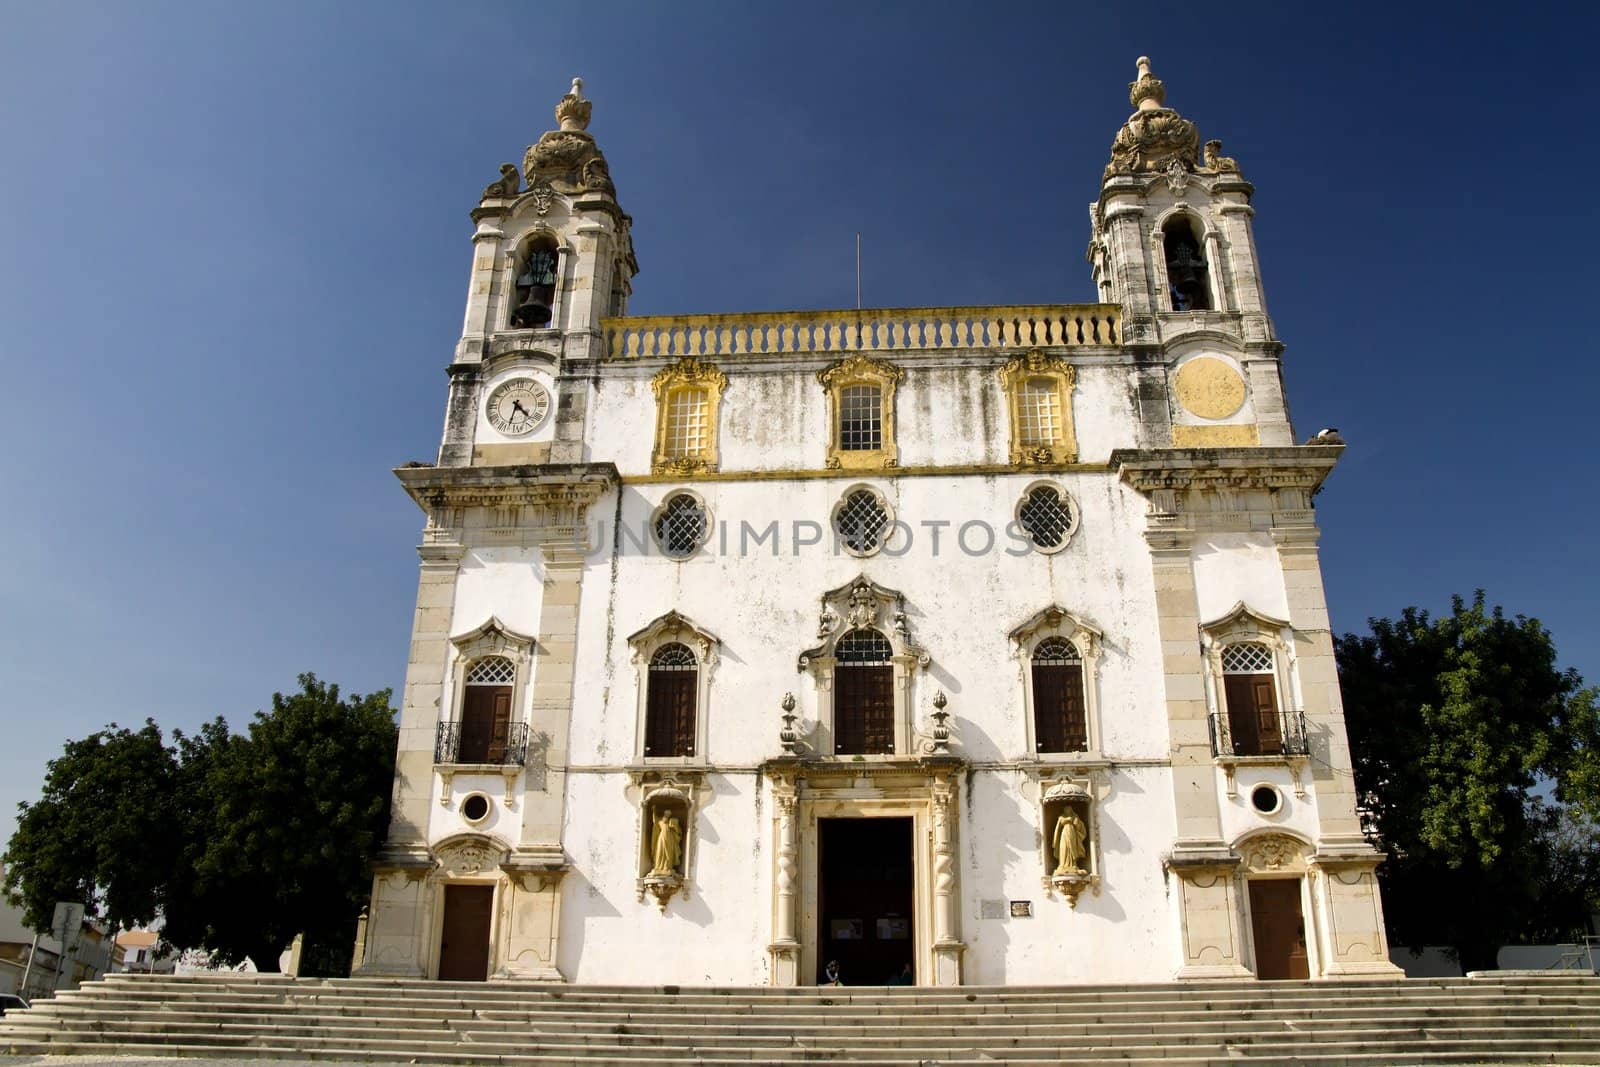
{"points": [[486, 711], [1060, 722], [1188, 279], [534, 282], [1249, 686], [863, 702], [674, 683]]}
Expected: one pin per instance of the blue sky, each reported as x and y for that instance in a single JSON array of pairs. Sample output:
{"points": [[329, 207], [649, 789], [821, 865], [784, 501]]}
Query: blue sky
{"points": [[234, 254]]}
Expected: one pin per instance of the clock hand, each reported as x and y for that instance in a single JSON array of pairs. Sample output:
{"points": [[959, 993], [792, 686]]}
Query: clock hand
{"points": [[516, 405]]}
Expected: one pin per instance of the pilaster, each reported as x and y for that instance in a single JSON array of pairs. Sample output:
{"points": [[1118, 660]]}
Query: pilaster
{"points": [[420, 701], [1331, 767]]}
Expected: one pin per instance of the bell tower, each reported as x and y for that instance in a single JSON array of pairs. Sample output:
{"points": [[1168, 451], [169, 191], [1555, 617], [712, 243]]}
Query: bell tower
{"points": [[1171, 242], [552, 256]]}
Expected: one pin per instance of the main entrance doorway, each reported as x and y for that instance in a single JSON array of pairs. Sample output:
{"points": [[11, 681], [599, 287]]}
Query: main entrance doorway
{"points": [[1279, 928], [464, 942], [865, 900]]}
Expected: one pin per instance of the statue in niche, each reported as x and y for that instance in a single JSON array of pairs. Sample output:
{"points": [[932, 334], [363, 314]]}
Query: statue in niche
{"points": [[1070, 842], [666, 847]]}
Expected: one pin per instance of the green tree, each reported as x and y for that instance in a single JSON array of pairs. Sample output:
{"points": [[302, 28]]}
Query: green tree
{"points": [[1477, 757], [103, 831], [292, 814]]}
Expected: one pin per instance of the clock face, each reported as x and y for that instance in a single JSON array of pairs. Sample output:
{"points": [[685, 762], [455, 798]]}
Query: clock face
{"points": [[518, 407]]}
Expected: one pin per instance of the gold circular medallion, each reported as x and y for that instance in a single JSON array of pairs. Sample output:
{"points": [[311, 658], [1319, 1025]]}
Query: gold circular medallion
{"points": [[1209, 387]]}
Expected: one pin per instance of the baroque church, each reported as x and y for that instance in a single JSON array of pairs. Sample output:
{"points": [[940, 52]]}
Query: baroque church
{"points": [[934, 645]]}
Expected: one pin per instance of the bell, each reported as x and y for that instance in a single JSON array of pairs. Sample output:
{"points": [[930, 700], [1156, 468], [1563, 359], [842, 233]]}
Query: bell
{"points": [[536, 290], [531, 313]]}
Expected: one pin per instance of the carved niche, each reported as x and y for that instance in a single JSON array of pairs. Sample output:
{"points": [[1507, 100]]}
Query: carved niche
{"points": [[667, 804], [1070, 836]]}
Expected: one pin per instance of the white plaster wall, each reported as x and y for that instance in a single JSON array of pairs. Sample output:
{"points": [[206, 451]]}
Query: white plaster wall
{"points": [[505, 582], [775, 417], [961, 607], [1298, 814], [1230, 567], [718, 935], [1121, 933]]}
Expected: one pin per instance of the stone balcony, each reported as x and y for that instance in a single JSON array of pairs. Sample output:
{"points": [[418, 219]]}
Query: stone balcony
{"points": [[1007, 328]]}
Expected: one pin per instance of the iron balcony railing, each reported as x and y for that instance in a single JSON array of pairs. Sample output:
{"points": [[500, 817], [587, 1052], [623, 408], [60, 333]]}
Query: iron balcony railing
{"points": [[481, 746], [1291, 739]]}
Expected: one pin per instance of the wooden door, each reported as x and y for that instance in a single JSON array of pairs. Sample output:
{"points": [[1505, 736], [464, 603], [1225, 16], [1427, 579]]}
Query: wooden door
{"points": [[1059, 722], [669, 712], [485, 724], [464, 944], [1279, 929], [863, 709], [1253, 714]]}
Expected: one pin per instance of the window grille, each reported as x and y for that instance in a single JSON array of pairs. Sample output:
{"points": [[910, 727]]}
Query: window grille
{"points": [[492, 670], [860, 418], [688, 434], [1247, 658], [670, 707], [682, 526], [673, 657], [1040, 412], [861, 520], [1047, 517], [863, 647], [1056, 652]]}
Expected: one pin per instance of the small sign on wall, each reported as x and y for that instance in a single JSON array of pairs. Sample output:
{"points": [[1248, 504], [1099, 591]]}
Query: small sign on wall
{"points": [[1021, 909], [992, 909]]}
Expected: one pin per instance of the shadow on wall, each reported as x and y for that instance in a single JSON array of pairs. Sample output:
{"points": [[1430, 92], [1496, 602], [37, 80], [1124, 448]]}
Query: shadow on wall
{"points": [[1432, 962]]}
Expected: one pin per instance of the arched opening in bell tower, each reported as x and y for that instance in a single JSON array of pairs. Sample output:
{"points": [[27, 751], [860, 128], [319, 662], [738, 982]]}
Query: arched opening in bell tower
{"points": [[1188, 277], [534, 284]]}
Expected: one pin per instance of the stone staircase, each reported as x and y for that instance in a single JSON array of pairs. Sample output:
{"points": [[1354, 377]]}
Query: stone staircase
{"points": [[1495, 1020]]}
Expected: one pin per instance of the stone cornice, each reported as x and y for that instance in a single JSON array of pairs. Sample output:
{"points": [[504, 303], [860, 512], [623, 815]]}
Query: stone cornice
{"points": [[523, 483], [1301, 467]]}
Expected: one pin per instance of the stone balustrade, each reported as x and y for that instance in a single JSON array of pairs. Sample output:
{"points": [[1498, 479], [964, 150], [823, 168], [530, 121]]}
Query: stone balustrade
{"points": [[871, 330]]}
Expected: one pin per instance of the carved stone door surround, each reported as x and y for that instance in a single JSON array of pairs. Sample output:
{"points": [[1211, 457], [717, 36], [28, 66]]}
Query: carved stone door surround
{"points": [[924, 790]]}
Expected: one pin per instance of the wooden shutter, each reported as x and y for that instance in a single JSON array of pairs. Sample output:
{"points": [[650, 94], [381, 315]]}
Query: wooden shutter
{"points": [[669, 713], [485, 720], [863, 709], [1264, 699], [1059, 721], [1244, 724]]}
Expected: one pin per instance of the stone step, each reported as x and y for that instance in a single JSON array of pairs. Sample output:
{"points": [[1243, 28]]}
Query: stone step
{"points": [[1589, 995], [1343, 1024], [1511, 1051], [676, 1023]]}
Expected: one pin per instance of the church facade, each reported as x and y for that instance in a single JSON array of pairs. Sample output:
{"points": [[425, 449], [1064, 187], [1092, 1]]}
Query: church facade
{"points": [[949, 645]]}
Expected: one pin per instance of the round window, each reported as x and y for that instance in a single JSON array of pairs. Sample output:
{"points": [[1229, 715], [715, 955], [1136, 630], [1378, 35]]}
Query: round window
{"points": [[1266, 799], [475, 808]]}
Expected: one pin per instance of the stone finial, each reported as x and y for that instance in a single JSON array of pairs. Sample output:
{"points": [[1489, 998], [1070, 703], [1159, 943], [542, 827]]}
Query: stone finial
{"points": [[573, 111], [1146, 92]]}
